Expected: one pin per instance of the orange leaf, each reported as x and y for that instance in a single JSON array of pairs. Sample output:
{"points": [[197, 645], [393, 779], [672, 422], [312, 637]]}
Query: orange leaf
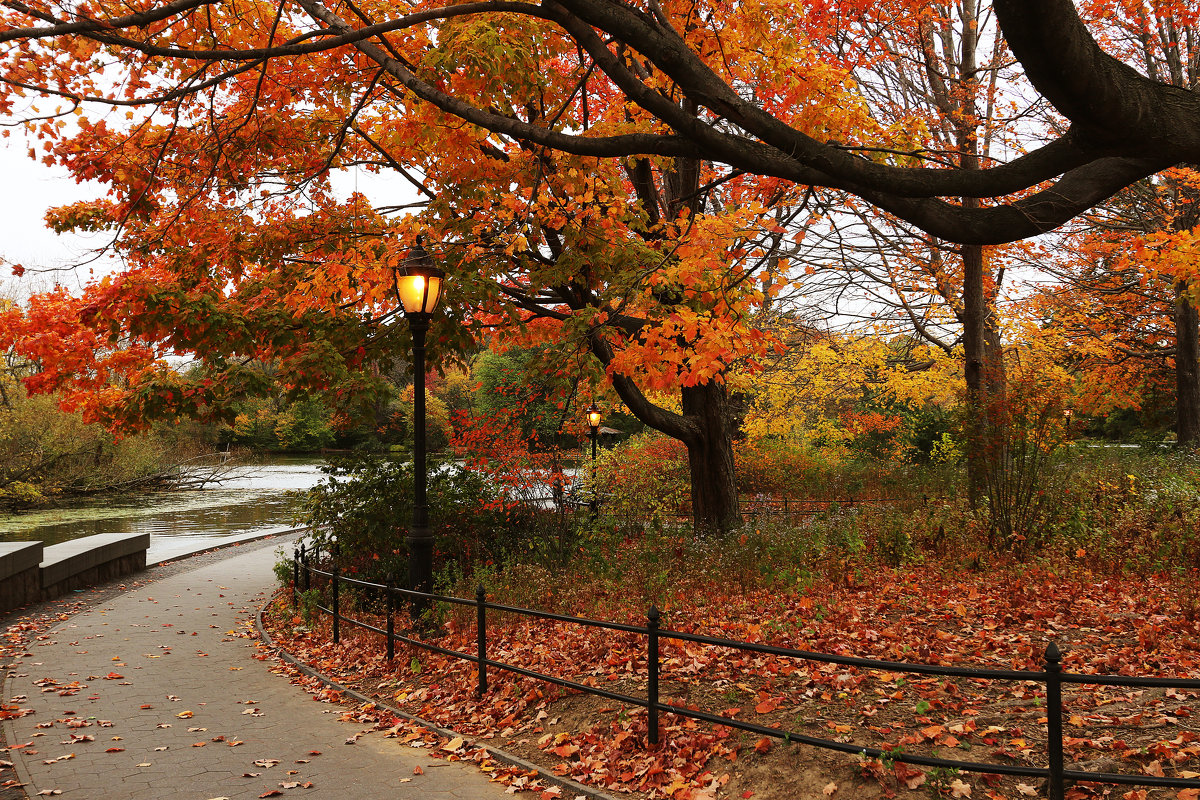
{"points": [[768, 705]]}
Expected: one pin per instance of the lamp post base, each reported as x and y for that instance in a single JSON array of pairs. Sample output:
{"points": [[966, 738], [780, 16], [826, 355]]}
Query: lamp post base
{"points": [[420, 568]]}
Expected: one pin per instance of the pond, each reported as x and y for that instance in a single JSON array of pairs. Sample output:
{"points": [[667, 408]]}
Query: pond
{"points": [[252, 498]]}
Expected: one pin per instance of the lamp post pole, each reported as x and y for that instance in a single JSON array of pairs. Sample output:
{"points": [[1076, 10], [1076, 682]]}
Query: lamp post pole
{"points": [[593, 418], [420, 539], [418, 288]]}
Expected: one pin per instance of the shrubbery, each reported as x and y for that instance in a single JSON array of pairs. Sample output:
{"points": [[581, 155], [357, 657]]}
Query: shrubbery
{"points": [[366, 505]]}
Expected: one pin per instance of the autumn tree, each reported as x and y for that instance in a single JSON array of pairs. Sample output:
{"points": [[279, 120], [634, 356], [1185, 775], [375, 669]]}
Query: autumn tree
{"points": [[1122, 125], [649, 266], [947, 82], [240, 110], [1129, 305]]}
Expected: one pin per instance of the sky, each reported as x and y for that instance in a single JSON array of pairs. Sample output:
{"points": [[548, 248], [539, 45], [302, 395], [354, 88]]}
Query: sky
{"points": [[30, 188]]}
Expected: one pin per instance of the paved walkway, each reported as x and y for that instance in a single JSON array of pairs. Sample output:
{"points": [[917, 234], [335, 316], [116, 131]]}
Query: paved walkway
{"points": [[145, 695]]}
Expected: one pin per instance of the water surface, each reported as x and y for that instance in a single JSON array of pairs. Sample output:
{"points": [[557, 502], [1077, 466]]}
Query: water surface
{"points": [[254, 498]]}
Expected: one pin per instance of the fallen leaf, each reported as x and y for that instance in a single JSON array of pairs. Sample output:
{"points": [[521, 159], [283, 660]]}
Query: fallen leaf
{"points": [[829, 789], [768, 705], [418, 771]]}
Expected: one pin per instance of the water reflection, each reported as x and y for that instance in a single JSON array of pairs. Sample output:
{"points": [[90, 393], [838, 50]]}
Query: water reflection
{"points": [[249, 498]]}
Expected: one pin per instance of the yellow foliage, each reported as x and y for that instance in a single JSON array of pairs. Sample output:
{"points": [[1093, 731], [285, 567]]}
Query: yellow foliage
{"points": [[809, 395]]}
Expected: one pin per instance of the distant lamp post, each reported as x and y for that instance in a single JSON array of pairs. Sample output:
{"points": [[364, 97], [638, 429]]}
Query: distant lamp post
{"points": [[593, 419], [418, 288]]}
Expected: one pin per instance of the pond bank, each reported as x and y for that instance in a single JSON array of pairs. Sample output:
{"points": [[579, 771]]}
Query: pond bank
{"points": [[251, 501]]}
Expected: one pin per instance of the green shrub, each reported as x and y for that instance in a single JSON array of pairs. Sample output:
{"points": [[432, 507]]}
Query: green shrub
{"points": [[366, 505], [644, 478]]}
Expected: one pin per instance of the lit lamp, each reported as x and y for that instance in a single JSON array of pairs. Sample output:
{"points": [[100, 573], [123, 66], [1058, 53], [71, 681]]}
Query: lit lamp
{"points": [[418, 288], [593, 420]]}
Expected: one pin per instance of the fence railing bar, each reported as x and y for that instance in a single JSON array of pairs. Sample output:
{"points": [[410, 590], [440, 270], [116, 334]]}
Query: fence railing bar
{"points": [[846, 747], [362, 583], [591, 623], [1131, 779], [851, 661], [399, 637], [1128, 680], [358, 623], [582, 687], [440, 598], [395, 589]]}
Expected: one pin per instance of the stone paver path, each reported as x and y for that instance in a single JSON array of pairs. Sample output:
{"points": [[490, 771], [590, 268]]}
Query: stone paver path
{"points": [[145, 696]]}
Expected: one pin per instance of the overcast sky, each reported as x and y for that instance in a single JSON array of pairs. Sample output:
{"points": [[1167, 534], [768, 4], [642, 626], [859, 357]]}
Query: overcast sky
{"points": [[30, 188]]}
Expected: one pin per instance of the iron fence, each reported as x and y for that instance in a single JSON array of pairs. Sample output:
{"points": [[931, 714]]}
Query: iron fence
{"points": [[1051, 677]]}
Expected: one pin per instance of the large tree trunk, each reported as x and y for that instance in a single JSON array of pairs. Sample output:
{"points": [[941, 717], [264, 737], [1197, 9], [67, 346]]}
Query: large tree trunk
{"points": [[1187, 368], [984, 374], [715, 508], [706, 427]]}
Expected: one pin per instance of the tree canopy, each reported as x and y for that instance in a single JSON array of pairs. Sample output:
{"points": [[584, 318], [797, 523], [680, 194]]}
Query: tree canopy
{"points": [[1119, 125], [615, 176]]}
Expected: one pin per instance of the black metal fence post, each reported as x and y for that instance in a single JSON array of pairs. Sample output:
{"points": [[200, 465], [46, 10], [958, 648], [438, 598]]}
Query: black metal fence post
{"points": [[391, 618], [652, 620], [304, 564], [337, 614], [481, 639], [295, 575], [1054, 734]]}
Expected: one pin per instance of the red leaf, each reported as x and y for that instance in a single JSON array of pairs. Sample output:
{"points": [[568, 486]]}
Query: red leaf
{"points": [[768, 705]]}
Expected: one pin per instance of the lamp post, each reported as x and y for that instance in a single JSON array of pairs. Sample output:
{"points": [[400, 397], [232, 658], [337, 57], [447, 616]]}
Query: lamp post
{"points": [[593, 419], [418, 288]]}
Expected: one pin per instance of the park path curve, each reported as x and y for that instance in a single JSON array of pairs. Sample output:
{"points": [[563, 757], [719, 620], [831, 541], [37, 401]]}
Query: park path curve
{"points": [[164, 680]]}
